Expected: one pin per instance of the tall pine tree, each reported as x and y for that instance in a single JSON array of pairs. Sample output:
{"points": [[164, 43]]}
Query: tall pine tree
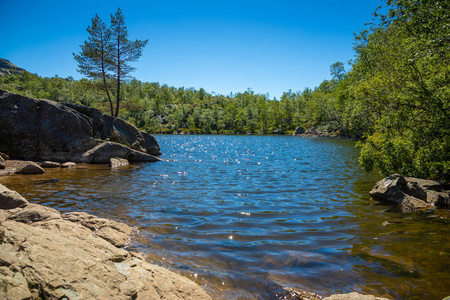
{"points": [[107, 54]]}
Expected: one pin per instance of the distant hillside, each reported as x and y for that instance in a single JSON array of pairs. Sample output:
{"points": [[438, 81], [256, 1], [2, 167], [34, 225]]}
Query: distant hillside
{"points": [[8, 68]]}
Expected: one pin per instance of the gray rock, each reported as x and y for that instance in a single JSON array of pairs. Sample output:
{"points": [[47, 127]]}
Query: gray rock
{"points": [[30, 168], [103, 152], [2, 163], [4, 156], [50, 164], [412, 193], [10, 199], [118, 162], [68, 164], [42, 129]]}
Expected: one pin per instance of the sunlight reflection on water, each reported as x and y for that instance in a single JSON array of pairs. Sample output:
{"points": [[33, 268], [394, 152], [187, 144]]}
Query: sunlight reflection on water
{"points": [[244, 215]]}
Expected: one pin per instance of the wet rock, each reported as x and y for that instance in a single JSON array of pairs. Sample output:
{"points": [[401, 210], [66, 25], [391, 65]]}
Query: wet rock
{"points": [[118, 162], [353, 296], [10, 199], [68, 164], [62, 258], [412, 193], [30, 168], [50, 164]]}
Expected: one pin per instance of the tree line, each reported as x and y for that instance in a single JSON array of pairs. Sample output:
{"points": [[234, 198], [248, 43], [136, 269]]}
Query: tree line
{"points": [[394, 96]]}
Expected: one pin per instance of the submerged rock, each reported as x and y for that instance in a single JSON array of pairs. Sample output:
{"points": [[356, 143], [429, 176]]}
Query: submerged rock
{"points": [[118, 162], [412, 193], [43, 129], [44, 255]]}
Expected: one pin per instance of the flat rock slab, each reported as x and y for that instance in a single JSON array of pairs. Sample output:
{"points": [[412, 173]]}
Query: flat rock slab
{"points": [[69, 165], [353, 296], [50, 164]]}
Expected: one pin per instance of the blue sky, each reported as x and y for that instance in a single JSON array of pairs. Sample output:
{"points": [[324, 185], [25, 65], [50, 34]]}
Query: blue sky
{"points": [[222, 46]]}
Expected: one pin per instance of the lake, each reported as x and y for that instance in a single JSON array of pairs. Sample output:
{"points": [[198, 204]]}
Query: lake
{"points": [[245, 216]]}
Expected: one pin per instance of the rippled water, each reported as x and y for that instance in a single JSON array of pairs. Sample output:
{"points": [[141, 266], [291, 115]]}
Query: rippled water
{"points": [[246, 215]]}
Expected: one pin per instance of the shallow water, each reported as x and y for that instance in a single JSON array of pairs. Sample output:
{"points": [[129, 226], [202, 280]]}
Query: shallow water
{"points": [[245, 215]]}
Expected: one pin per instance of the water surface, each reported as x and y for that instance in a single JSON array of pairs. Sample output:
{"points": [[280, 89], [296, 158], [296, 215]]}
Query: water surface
{"points": [[246, 215]]}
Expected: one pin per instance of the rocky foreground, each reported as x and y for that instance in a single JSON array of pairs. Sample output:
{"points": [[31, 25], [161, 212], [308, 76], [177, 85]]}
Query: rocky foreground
{"points": [[48, 255]]}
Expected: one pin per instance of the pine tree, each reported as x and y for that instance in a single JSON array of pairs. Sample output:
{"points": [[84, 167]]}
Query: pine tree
{"points": [[94, 56], [122, 51], [107, 54]]}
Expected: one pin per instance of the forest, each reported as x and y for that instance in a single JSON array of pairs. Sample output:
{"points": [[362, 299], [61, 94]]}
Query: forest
{"points": [[394, 97]]}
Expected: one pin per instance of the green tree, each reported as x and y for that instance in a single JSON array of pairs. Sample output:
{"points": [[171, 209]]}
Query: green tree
{"points": [[94, 58], [122, 51]]}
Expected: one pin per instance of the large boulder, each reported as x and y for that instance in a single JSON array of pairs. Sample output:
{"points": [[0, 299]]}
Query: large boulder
{"points": [[412, 193], [78, 256], [42, 129], [117, 130]]}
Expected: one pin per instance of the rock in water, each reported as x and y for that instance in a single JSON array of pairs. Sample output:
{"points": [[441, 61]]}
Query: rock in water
{"points": [[30, 168], [353, 296], [43, 129], [118, 162], [50, 164], [412, 193], [68, 164]]}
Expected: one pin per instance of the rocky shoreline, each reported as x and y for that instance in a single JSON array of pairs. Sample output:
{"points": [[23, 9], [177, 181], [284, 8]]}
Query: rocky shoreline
{"points": [[48, 255]]}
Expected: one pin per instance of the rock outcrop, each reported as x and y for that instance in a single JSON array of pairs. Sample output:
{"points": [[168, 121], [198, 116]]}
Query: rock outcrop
{"points": [[412, 193], [46, 255], [47, 130]]}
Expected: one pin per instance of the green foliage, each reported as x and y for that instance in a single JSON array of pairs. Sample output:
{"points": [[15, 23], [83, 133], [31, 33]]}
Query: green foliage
{"points": [[395, 95], [106, 55]]}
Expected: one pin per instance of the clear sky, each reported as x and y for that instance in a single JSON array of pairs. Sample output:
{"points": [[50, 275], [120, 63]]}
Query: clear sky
{"points": [[222, 46]]}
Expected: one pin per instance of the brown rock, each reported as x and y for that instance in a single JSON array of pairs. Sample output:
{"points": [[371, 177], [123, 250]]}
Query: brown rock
{"points": [[34, 213], [353, 296], [50, 164], [10, 199], [114, 232], [30, 168]]}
